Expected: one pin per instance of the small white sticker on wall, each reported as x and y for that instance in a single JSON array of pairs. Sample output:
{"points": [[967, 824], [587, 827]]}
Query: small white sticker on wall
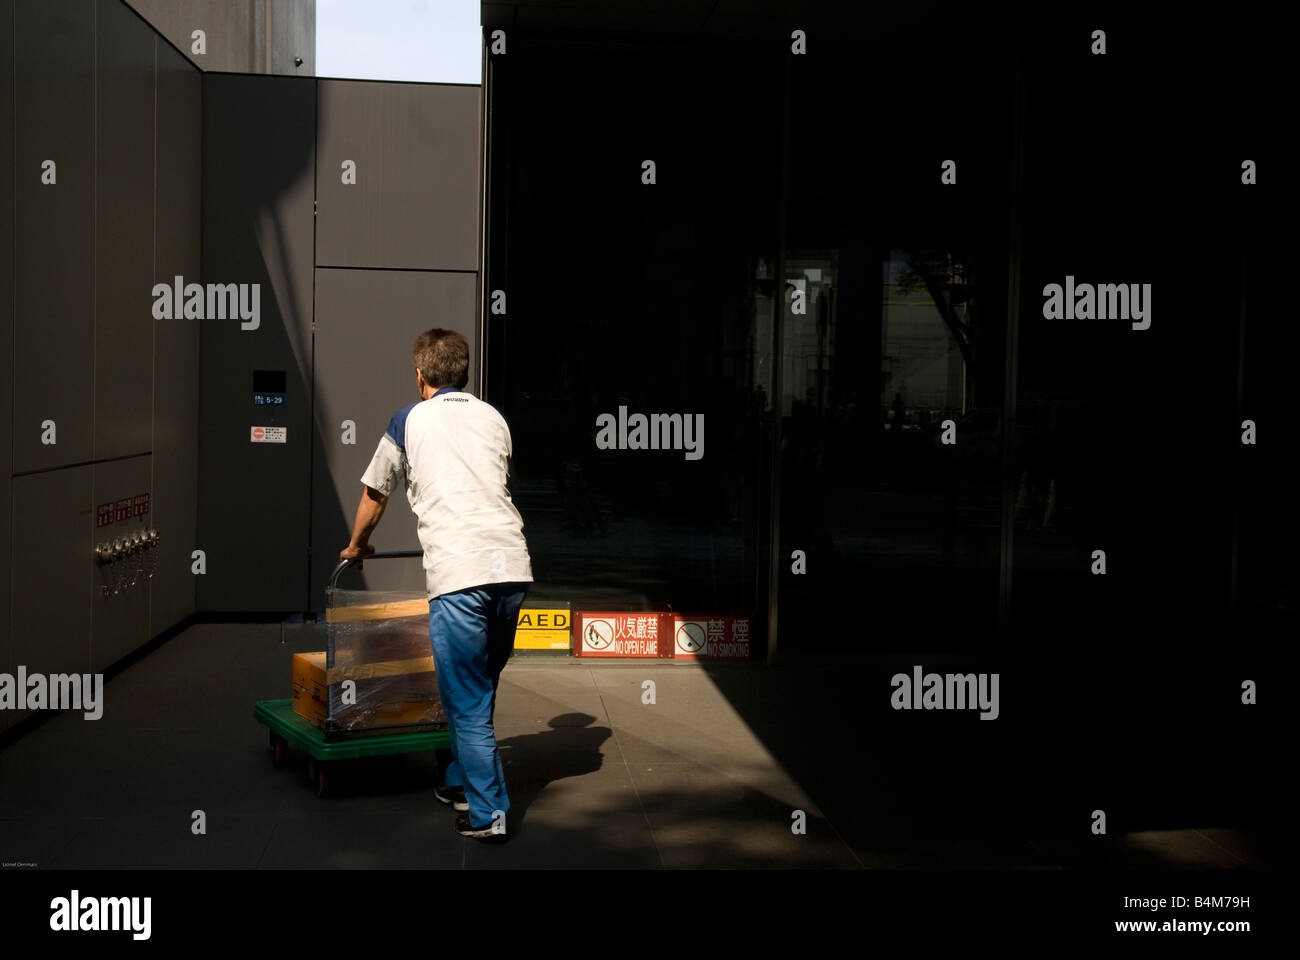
{"points": [[269, 434]]}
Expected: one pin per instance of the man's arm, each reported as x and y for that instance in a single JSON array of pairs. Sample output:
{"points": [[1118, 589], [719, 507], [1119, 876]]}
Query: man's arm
{"points": [[385, 474], [369, 510]]}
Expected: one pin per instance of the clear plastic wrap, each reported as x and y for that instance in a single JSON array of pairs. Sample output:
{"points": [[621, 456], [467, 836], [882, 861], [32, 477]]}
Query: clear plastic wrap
{"points": [[380, 640]]}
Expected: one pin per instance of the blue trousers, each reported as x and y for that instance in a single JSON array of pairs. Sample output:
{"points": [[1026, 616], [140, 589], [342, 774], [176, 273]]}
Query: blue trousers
{"points": [[473, 635]]}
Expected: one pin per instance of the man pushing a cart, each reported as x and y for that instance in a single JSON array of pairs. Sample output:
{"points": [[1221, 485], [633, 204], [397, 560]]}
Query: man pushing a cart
{"points": [[450, 452]]}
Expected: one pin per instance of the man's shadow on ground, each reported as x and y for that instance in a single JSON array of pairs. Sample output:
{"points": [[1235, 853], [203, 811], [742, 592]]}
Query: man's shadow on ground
{"points": [[532, 761]]}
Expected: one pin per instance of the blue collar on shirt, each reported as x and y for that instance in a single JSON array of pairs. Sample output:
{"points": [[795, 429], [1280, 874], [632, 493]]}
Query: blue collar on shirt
{"points": [[446, 390]]}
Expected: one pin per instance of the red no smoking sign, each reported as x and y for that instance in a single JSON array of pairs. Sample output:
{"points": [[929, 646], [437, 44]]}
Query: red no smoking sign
{"points": [[710, 636]]}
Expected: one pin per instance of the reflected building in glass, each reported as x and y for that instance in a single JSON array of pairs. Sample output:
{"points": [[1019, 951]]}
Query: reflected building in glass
{"points": [[837, 259]]}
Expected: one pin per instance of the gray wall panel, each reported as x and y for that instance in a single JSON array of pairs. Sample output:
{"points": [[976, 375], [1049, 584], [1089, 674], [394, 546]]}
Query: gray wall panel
{"points": [[366, 325], [6, 547], [415, 201], [53, 522], [176, 343], [124, 178], [6, 322], [229, 26], [258, 140], [120, 617], [53, 332], [293, 34], [236, 32]]}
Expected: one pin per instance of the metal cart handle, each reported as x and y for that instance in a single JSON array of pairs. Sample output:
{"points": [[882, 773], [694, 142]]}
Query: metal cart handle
{"points": [[382, 555]]}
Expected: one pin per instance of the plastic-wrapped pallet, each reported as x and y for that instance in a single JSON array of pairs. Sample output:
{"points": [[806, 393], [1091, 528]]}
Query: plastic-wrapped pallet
{"points": [[380, 641]]}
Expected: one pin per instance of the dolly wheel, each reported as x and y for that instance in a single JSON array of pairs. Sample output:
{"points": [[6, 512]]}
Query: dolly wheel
{"points": [[316, 774], [279, 749]]}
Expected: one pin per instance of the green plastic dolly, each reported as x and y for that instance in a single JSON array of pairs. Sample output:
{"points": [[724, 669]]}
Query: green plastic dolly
{"points": [[288, 729]]}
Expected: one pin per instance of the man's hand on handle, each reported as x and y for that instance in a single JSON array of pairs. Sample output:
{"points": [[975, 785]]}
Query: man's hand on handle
{"points": [[356, 552]]}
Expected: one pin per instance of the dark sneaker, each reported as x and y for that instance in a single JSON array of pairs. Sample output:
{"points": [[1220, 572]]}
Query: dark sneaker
{"points": [[478, 833], [453, 795]]}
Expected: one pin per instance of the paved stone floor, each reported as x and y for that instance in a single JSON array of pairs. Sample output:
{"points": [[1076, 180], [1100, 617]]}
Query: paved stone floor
{"points": [[710, 775]]}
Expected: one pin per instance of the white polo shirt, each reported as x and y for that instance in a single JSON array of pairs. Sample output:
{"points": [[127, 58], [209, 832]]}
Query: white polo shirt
{"points": [[450, 453]]}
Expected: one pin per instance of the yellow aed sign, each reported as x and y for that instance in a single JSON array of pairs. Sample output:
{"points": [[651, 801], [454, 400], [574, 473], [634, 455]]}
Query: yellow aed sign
{"points": [[542, 628]]}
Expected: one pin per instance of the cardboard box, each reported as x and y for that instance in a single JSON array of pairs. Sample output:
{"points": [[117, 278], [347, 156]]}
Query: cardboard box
{"points": [[388, 693], [310, 692], [402, 638]]}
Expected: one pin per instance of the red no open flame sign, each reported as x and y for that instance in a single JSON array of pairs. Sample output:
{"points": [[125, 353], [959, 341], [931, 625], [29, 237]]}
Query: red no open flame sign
{"points": [[636, 634]]}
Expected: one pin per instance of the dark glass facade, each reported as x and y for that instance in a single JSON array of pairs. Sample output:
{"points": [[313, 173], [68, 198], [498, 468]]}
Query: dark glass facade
{"points": [[804, 277], [625, 298]]}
